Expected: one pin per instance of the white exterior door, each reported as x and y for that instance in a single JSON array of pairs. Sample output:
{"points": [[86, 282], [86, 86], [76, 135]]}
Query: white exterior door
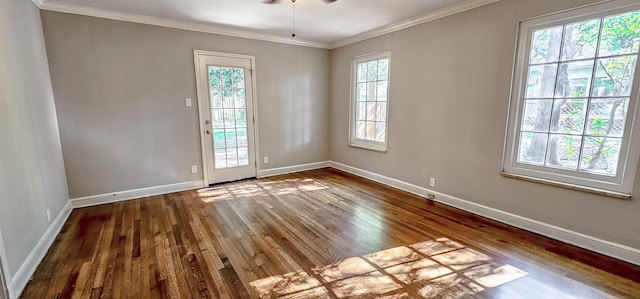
{"points": [[225, 97]]}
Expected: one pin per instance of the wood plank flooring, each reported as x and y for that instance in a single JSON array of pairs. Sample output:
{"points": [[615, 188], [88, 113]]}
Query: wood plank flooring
{"points": [[314, 234]]}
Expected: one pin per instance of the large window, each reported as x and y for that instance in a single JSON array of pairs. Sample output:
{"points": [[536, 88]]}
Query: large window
{"points": [[574, 98], [370, 101]]}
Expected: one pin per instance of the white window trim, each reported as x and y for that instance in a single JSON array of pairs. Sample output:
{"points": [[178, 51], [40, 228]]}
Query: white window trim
{"points": [[622, 184], [362, 143]]}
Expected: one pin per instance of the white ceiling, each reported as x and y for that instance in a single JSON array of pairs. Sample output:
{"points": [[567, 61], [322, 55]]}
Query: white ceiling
{"points": [[315, 20]]}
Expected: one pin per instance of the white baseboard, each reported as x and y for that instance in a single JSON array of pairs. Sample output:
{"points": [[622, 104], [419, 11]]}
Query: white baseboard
{"points": [[618, 251], [20, 279], [291, 169], [100, 199]]}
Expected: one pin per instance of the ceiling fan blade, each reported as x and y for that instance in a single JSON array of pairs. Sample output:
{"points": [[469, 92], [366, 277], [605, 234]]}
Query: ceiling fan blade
{"points": [[330, 1], [270, 1]]}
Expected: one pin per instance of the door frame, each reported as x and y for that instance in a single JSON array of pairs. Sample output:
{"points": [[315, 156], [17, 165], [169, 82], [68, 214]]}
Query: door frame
{"points": [[197, 54]]}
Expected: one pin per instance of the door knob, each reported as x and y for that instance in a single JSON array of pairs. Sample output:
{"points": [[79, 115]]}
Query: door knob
{"points": [[207, 122], [208, 132]]}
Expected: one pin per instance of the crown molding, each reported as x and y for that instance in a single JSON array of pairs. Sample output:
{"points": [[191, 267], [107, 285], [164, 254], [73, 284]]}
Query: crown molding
{"points": [[432, 16], [206, 28], [38, 3], [163, 22]]}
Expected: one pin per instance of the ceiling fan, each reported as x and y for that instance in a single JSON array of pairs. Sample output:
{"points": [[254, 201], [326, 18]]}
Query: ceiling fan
{"points": [[293, 18]]}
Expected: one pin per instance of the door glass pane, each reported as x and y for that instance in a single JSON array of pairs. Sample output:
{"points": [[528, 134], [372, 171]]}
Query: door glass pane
{"points": [[229, 116]]}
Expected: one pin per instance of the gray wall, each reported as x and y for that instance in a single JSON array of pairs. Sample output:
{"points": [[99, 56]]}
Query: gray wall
{"points": [[32, 177], [120, 90], [450, 83]]}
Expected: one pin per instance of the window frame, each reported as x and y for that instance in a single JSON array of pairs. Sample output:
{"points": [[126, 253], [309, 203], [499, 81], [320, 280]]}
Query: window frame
{"points": [[353, 140], [622, 183]]}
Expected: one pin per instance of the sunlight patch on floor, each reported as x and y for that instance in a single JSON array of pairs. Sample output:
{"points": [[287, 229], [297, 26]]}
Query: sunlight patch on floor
{"points": [[436, 268], [256, 189]]}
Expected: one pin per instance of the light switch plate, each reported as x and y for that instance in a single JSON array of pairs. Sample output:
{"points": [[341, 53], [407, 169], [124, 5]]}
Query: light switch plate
{"points": [[187, 102]]}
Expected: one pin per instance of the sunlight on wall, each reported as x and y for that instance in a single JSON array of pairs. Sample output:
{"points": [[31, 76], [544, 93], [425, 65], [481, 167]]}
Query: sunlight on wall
{"points": [[436, 268]]}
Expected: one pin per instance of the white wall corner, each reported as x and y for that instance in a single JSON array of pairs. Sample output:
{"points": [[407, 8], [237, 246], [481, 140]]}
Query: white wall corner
{"points": [[19, 280], [263, 173], [94, 200], [618, 251]]}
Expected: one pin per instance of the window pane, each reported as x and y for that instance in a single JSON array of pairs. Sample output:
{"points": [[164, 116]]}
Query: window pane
{"points": [[532, 148], [361, 126], [537, 115], [607, 117], [242, 137], [614, 76], [600, 155], [380, 131], [218, 139], [218, 118], [227, 77], [228, 100], [240, 99], [574, 79], [580, 40], [620, 34], [232, 157], [362, 92], [383, 69], [221, 158], [372, 72], [541, 81], [568, 116], [229, 118], [238, 78], [371, 91], [564, 151], [382, 91], [361, 111], [241, 118], [216, 97], [243, 156], [381, 111], [545, 45], [362, 72], [371, 110], [230, 136], [214, 76], [370, 131]]}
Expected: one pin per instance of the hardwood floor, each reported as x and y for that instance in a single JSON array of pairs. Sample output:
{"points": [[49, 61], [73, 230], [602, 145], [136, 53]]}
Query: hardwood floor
{"points": [[314, 234]]}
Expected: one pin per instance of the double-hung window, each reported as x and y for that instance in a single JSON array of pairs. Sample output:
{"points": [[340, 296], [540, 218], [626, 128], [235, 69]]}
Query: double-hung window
{"points": [[370, 101], [572, 118]]}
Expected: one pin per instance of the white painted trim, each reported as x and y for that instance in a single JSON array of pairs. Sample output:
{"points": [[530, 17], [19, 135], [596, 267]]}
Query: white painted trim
{"points": [[432, 16], [291, 169], [207, 28], [28, 267], [100, 199], [164, 22], [618, 251]]}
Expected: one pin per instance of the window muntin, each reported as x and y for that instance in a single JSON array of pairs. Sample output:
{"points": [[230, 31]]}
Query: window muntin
{"points": [[369, 101], [576, 91]]}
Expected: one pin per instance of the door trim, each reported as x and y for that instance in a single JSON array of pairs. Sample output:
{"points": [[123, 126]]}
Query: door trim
{"points": [[201, 117]]}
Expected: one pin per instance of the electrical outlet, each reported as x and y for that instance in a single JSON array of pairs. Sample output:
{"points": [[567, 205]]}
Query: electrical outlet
{"points": [[431, 196], [187, 102], [48, 215], [432, 182], [266, 160], [194, 169]]}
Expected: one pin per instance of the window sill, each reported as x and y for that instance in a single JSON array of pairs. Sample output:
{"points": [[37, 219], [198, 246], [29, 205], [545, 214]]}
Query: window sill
{"points": [[567, 186], [379, 149]]}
